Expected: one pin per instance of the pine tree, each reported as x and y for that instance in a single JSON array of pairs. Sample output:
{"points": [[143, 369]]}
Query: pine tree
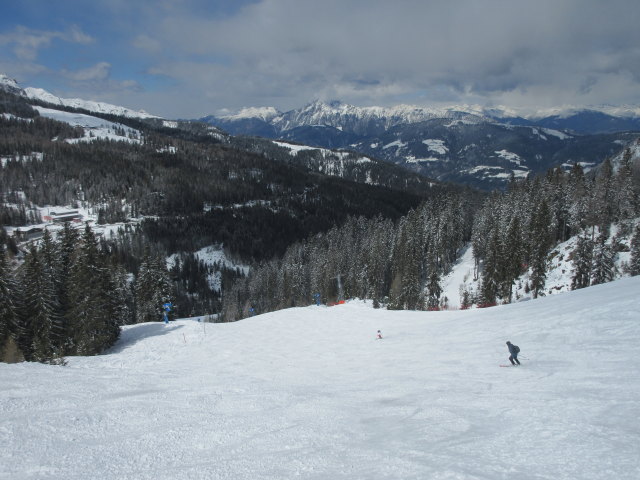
{"points": [[67, 242], [624, 191], [8, 314], [40, 308], [582, 262], [634, 262], [152, 289], [603, 199], [434, 290], [541, 242], [92, 311], [122, 296], [513, 257], [577, 199], [50, 271], [492, 271], [603, 262]]}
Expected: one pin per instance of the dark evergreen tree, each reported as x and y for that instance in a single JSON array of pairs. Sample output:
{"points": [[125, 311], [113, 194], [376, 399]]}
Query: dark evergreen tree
{"points": [[39, 312], [152, 289], [122, 296], [603, 199], [626, 201], [541, 242], [8, 314], [634, 262], [491, 271], [604, 268], [582, 263], [512, 258], [93, 312], [434, 291], [50, 258], [67, 241]]}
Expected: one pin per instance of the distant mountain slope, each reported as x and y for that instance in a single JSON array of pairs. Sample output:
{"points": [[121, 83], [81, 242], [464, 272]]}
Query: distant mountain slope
{"points": [[198, 185], [471, 145], [590, 122], [98, 107]]}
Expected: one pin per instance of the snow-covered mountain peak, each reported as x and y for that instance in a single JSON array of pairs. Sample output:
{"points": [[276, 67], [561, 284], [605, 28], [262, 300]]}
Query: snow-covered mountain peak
{"points": [[92, 106], [263, 113], [7, 83], [566, 111], [359, 119]]}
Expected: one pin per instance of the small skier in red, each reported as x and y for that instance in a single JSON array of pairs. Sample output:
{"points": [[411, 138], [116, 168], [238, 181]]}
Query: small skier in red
{"points": [[379, 336]]}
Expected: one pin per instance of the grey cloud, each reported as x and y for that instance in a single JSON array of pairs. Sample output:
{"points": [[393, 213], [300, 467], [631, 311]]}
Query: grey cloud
{"points": [[286, 52]]}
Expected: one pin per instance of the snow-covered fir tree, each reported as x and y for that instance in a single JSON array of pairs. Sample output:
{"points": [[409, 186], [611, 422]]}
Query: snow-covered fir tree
{"points": [[9, 321], [582, 262], [152, 289], [634, 263], [92, 309], [604, 267]]}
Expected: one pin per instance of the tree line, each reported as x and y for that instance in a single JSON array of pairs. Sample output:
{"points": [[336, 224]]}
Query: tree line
{"points": [[69, 297], [401, 263]]}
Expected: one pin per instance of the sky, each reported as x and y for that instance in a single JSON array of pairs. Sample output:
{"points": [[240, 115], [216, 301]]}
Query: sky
{"points": [[191, 58]]}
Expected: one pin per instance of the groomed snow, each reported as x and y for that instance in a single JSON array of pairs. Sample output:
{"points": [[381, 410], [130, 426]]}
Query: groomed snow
{"points": [[310, 393]]}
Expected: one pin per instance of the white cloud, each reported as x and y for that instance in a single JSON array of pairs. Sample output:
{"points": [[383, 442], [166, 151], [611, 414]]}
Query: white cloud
{"points": [[27, 43], [98, 72]]}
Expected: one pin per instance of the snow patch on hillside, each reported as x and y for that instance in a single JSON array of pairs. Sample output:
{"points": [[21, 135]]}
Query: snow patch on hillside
{"points": [[398, 144], [95, 128], [436, 146], [412, 159], [556, 133], [510, 156], [293, 148], [494, 171]]}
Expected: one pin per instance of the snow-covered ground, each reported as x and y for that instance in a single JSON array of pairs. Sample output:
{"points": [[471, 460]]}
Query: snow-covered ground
{"points": [[95, 128], [310, 393]]}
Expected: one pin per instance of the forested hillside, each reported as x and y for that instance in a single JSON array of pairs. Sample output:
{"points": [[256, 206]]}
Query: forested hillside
{"points": [[165, 189], [401, 264]]}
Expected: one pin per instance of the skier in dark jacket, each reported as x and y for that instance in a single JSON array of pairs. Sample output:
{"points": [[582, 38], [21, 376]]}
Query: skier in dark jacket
{"points": [[513, 350]]}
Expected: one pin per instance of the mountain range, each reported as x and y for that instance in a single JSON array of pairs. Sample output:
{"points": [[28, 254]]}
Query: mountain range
{"points": [[473, 145], [465, 144]]}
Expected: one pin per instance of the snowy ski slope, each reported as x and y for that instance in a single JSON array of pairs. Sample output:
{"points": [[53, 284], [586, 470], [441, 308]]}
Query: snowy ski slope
{"points": [[309, 393]]}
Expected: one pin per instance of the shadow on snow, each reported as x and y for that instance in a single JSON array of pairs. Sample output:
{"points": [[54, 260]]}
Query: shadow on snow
{"points": [[136, 333]]}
